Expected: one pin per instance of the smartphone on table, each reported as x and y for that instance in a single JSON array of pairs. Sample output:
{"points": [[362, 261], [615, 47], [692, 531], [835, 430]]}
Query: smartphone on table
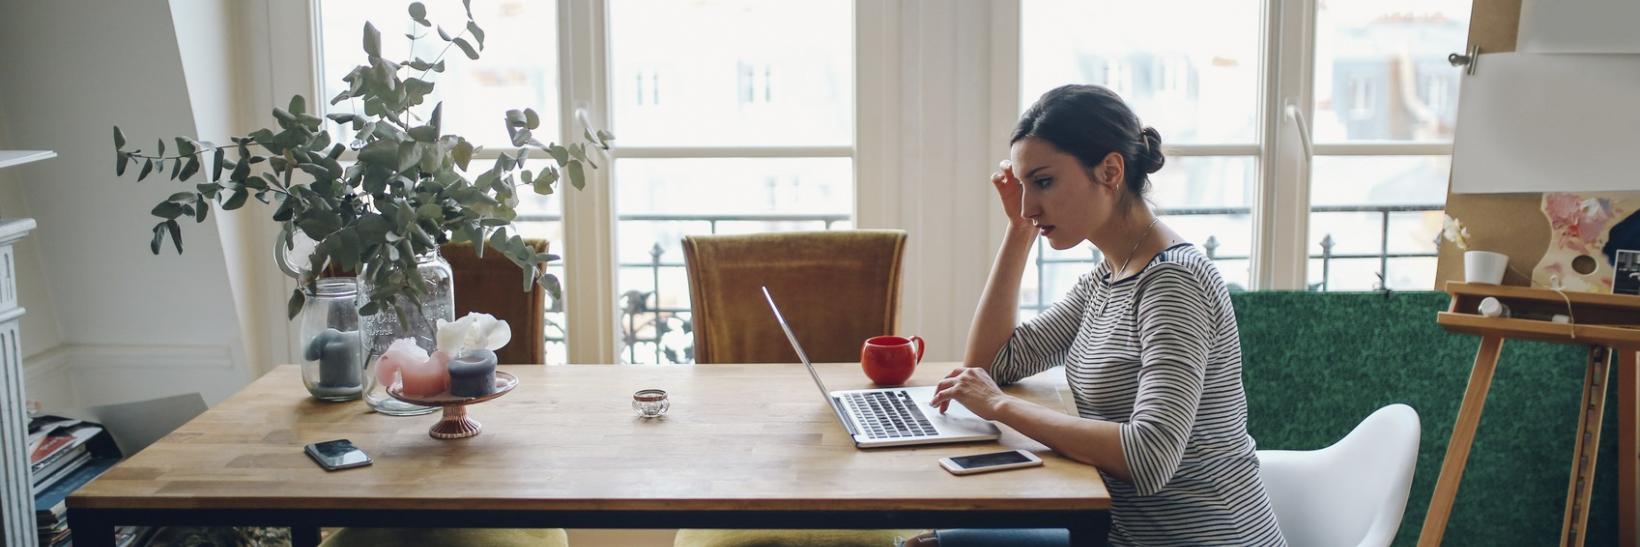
{"points": [[337, 454], [985, 463]]}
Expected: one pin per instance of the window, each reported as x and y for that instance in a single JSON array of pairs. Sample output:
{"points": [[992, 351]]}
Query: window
{"points": [[1382, 155], [1384, 104], [1195, 79], [736, 116], [740, 120], [731, 116]]}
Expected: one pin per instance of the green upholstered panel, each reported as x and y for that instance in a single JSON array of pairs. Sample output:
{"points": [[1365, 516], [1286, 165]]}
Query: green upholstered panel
{"points": [[1315, 364]]}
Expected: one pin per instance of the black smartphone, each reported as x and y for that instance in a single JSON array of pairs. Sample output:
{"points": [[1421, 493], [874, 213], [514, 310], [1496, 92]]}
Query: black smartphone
{"points": [[337, 454]]}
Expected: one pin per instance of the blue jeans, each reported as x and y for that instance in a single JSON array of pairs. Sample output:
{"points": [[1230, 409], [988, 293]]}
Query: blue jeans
{"points": [[1016, 537]]}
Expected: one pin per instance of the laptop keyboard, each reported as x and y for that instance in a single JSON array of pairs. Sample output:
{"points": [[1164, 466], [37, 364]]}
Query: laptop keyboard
{"points": [[889, 415]]}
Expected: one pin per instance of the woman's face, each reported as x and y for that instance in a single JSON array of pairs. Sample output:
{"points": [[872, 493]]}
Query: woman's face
{"points": [[1067, 201]]}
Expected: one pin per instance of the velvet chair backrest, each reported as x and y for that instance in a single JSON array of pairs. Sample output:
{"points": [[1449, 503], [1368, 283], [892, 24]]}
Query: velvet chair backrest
{"points": [[835, 288], [494, 285]]}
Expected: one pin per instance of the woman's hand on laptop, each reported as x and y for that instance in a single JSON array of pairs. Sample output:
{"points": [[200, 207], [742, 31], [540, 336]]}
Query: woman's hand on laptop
{"points": [[971, 386]]}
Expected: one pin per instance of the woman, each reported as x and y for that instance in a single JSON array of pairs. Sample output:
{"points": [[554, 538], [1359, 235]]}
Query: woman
{"points": [[1148, 339]]}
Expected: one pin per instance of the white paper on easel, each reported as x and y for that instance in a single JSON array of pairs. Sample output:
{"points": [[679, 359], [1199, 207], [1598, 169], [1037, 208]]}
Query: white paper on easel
{"points": [[1579, 26], [1548, 123]]}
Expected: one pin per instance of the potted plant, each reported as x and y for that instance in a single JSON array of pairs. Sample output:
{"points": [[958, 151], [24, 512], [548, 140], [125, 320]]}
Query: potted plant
{"points": [[403, 197]]}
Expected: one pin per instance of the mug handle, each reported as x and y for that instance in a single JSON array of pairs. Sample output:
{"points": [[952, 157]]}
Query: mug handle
{"points": [[919, 341]]}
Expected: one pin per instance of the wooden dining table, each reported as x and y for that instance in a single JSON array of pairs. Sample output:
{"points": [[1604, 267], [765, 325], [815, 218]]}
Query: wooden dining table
{"points": [[742, 446]]}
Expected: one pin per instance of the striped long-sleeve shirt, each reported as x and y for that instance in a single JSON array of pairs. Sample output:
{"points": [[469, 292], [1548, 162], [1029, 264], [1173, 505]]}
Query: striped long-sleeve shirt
{"points": [[1158, 353]]}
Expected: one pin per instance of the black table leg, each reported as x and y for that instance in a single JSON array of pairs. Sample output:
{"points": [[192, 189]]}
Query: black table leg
{"points": [[304, 536], [90, 528], [1091, 529]]}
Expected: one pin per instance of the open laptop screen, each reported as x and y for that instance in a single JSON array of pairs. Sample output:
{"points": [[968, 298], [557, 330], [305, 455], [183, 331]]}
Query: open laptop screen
{"points": [[797, 347]]}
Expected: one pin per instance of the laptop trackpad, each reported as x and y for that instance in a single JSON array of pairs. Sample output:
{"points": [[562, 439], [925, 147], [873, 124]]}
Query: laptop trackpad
{"points": [[957, 418]]}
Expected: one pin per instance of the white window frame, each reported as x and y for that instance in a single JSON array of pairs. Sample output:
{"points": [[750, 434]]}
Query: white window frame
{"points": [[1281, 210], [927, 116]]}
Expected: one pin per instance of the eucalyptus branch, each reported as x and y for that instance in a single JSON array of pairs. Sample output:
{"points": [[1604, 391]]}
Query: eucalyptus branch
{"points": [[404, 194], [440, 56]]}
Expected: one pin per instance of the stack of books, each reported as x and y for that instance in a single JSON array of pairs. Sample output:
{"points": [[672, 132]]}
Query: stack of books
{"points": [[65, 454]]}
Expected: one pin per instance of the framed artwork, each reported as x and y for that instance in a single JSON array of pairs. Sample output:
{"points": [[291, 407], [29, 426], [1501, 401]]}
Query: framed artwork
{"points": [[1627, 266]]}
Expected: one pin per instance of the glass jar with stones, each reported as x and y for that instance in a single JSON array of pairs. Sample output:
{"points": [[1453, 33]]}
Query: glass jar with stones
{"points": [[328, 331]]}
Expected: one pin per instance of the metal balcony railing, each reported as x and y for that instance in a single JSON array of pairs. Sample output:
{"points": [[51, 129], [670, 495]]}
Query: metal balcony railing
{"points": [[646, 324]]}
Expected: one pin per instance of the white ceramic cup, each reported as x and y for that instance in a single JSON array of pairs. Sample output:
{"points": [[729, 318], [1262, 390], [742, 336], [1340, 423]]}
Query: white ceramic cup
{"points": [[1484, 267]]}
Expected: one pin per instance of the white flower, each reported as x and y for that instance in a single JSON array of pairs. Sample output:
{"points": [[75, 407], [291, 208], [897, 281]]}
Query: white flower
{"points": [[452, 334], [1453, 230], [473, 331], [487, 332]]}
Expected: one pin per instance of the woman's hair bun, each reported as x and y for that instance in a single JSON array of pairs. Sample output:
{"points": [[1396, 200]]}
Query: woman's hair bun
{"points": [[1150, 157]]}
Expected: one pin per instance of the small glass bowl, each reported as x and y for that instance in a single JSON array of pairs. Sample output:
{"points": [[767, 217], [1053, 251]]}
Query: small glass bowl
{"points": [[650, 403]]}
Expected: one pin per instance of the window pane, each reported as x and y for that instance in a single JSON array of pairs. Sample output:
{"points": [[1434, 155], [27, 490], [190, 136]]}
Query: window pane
{"points": [[542, 217], [1206, 199], [1358, 201], [732, 72], [1361, 274], [1352, 245], [1381, 70], [661, 200], [1379, 180], [1209, 201], [1194, 78], [517, 69]]}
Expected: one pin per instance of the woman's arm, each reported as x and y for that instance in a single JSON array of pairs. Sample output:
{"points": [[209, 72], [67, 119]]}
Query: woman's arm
{"points": [[1094, 442], [997, 314]]}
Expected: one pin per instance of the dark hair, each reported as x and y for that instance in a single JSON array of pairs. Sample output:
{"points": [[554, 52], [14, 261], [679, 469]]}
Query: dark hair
{"points": [[1090, 122]]}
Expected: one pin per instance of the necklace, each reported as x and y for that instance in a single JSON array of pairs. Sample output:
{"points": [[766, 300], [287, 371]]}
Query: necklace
{"points": [[1131, 252]]}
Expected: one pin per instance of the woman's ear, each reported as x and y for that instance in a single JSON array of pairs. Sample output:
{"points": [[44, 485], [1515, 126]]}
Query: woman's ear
{"points": [[1110, 171]]}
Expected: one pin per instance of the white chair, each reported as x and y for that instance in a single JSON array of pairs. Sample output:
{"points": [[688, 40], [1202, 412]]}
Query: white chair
{"points": [[1351, 493]]}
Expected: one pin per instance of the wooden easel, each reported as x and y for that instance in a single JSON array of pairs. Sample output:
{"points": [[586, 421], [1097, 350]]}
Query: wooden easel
{"points": [[1608, 325]]}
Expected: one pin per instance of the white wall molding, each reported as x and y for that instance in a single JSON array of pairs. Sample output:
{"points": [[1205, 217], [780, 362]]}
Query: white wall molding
{"points": [[81, 375], [47, 363], [46, 379], [130, 356]]}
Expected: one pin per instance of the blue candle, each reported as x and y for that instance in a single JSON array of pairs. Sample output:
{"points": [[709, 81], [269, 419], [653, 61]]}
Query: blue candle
{"points": [[338, 355], [472, 374]]}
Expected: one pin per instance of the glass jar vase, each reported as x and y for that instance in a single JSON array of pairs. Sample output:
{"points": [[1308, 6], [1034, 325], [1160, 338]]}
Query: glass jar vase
{"points": [[382, 328], [328, 336]]}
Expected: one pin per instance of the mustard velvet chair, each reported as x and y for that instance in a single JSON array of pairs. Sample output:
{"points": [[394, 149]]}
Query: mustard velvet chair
{"points": [[835, 288], [492, 285]]}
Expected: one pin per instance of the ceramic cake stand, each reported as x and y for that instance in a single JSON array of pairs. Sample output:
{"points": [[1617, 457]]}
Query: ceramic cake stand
{"points": [[455, 424]]}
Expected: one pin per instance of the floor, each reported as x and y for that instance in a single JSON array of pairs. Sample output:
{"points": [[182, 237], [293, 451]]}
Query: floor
{"points": [[621, 538]]}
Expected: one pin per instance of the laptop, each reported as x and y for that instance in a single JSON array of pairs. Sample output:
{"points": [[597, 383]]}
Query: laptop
{"points": [[898, 416]]}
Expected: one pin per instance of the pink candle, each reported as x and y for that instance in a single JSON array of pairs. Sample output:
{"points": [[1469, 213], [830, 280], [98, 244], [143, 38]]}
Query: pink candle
{"points": [[400, 352], [427, 377]]}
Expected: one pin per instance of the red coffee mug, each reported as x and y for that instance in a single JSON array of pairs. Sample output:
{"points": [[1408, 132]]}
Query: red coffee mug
{"points": [[890, 360]]}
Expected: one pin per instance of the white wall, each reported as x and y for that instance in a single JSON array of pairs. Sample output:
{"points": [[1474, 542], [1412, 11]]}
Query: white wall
{"points": [[133, 325], [39, 326], [46, 379], [927, 144]]}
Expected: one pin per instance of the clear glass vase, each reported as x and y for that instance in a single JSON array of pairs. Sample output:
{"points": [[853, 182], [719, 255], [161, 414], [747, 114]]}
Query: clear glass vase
{"points": [[328, 331], [381, 329]]}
